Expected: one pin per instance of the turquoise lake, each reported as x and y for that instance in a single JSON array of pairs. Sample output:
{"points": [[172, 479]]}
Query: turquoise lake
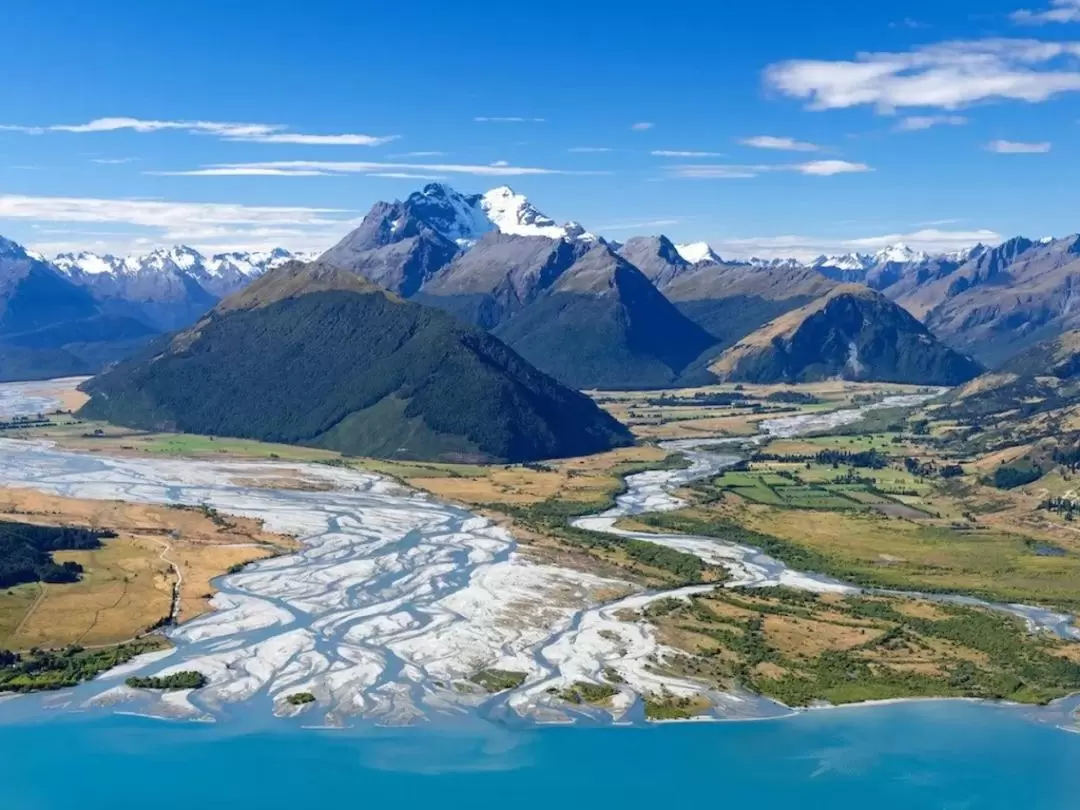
{"points": [[950, 755]]}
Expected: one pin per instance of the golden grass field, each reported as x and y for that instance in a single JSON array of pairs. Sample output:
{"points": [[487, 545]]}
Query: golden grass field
{"points": [[127, 584]]}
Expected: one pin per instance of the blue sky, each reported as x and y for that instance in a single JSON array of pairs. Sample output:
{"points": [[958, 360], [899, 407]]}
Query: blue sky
{"points": [[769, 128]]}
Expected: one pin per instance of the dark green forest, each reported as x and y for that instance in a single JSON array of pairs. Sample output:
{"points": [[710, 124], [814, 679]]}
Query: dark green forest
{"points": [[365, 374], [26, 552]]}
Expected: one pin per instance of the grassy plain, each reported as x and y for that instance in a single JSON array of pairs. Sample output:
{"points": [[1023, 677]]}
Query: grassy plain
{"points": [[127, 584], [800, 648]]}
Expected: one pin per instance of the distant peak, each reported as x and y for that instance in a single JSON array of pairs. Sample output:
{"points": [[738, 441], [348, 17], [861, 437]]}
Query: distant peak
{"points": [[697, 252]]}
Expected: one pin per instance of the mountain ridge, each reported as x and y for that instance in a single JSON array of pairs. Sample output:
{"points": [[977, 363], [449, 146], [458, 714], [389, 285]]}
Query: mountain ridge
{"points": [[312, 354]]}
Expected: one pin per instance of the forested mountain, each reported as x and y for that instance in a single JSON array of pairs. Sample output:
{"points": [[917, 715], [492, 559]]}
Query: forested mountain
{"points": [[311, 354]]}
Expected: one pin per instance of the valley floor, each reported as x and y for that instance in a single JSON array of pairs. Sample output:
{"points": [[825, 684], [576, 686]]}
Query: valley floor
{"points": [[573, 618]]}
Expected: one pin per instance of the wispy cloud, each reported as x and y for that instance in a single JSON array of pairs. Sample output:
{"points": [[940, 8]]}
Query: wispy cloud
{"points": [[946, 75], [156, 213], [507, 119], [641, 126], [407, 176], [292, 167], [230, 131], [773, 142], [113, 161], [816, 168], [242, 171], [914, 123], [207, 226], [683, 154], [805, 248], [636, 226], [1019, 147], [1060, 11], [589, 149]]}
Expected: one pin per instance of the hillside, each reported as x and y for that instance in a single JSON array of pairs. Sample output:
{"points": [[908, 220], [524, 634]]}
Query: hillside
{"points": [[853, 333], [313, 355], [604, 325], [50, 327], [1003, 299], [732, 300], [499, 275], [1042, 379]]}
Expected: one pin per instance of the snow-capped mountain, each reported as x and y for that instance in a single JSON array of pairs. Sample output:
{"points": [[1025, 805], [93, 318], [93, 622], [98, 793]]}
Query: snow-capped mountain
{"points": [[219, 274], [848, 262], [464, 218], [698, 253], [512, 213], [166, 288], [754, 261]]}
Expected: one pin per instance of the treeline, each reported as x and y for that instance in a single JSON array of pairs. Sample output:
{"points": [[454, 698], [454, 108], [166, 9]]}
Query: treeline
{"points": [[929, 469], [47, 670], [793, 398], [863, 459], [551, 518], [188, 679], [1010, 477], [26, 552]]}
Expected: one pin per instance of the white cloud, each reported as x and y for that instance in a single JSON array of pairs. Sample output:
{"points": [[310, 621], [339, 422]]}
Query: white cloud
{"points": [[507, 119], [683, 154], [1019, 147], [258, 133], [636, 226], [914, 123], [641, 126], [827, 168], [908, 22], [113, 161], [319, 140], [1061, 11], [589, 149], [242, 171], [806, 248], [157, 213], [500, 163], [291, 167], [772, 142], [407, 176], [816, 168], [947, 75], [207, 226]]}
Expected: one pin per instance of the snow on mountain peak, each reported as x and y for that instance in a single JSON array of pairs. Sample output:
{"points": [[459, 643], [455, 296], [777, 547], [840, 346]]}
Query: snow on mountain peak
{"points": [[180, 258], [698, 252], [512, 213], [899, 253], [90, 264], [848, 261]]}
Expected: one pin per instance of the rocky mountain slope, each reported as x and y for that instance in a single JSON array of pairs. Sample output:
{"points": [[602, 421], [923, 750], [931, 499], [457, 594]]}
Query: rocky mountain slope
{"points": [[50, 327], [168, 288], [1005, 299], [603, 324], [311, 354], [852, 332]]}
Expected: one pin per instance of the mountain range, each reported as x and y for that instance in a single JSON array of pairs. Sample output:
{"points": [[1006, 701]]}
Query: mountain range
{"points": [[312, 354], [590, 311]]}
